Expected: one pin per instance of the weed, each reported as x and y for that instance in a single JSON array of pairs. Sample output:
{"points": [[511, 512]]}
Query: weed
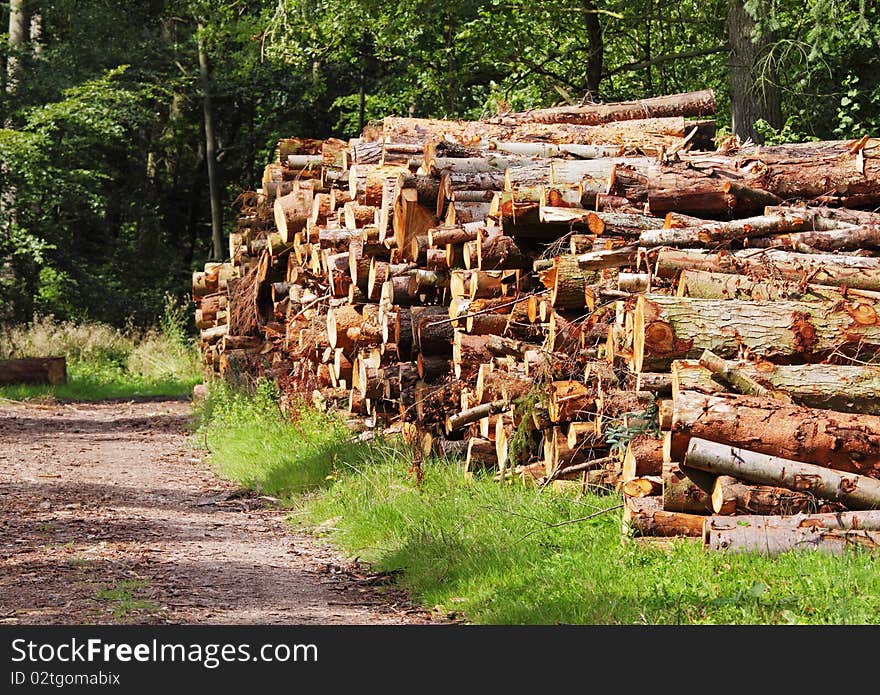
{"points": [[121, 599]]}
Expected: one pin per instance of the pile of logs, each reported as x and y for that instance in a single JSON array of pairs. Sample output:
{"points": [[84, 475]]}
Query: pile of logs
{"points": [[581, 296]]}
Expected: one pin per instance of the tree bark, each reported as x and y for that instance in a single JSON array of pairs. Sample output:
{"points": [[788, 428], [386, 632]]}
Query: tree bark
{"points": [[211, 148], [700, 103], [668, 328], [751, 98], [843, 441], [766, 536], [853, 490]]}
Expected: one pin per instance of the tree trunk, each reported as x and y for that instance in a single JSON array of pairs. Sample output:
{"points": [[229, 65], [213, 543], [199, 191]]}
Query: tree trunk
{"points": [[211, 148], [751, 97], [16, 43], [844, 441], [596, 55], [853, 490]]}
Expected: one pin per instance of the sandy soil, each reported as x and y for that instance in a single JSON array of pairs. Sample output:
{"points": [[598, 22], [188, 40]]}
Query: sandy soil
{"points": [[110, 514]]}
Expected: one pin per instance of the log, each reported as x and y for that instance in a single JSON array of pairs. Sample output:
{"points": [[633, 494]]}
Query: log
{"points": [[775, 535], [648, 486], [701, 103], [643, 516], [292, 212], [643, 456], [853, 490], [732, 496], [707, 285], [34, 370], [842, 239], [715, 185], [858, 272], [847, 388], [646, 134], [568, 283], [668, 328], [622, 223], [841, 441], [481, 455], [681, 494], [740, 381], [468, 352], [570, 401], [465, 417], [717, 232]]}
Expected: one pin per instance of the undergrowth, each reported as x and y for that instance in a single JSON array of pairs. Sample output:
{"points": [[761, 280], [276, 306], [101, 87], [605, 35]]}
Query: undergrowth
{"points": [[511, 553], [106, 362]]}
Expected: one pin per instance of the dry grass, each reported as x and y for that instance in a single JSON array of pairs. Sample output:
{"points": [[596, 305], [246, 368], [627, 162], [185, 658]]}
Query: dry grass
{"points": [[88, 342]]}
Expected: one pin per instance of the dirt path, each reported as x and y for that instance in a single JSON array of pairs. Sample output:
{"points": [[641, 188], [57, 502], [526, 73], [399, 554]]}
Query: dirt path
{"points": [[109, 514]]}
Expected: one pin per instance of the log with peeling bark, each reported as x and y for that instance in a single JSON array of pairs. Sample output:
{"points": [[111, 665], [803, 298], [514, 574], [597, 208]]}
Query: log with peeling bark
{"points": [[767, 535], [857, 272], [842, 441], [853, 490], [708, 285], [732, 496], [847, 388], [855, 238], [741, 382], [667, 328], [647, 134], [715, 232]]}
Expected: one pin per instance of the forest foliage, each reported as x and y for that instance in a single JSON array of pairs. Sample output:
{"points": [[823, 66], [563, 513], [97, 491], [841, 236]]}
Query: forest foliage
{"points": [[104, 196]]}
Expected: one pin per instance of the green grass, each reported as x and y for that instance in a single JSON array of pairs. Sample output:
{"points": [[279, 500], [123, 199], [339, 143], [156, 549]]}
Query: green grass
{"points": [[490, 552], [121, 599], [251, 443]]}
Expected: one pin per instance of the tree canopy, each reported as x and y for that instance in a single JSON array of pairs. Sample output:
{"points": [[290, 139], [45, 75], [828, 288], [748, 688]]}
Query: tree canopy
{"points": [[105, 200]]}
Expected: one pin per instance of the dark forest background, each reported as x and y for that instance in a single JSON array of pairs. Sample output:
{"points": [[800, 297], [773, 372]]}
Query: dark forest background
{"points": [[104, 198]]}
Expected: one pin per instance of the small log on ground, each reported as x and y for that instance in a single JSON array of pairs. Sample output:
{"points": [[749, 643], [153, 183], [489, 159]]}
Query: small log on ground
{"points": [[34, 370]]}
